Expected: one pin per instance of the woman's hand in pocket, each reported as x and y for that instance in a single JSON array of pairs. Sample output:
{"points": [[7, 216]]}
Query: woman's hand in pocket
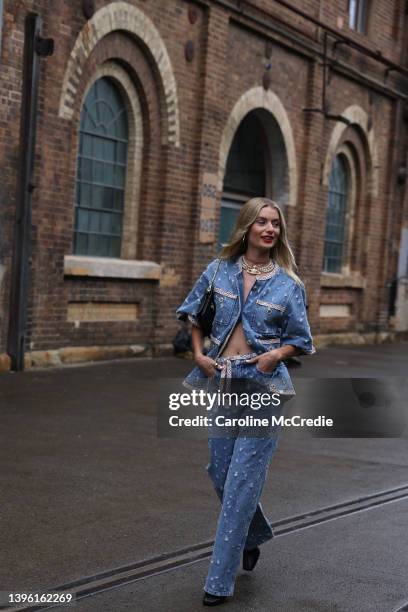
{"points": [[266, 362], [206, 364]]}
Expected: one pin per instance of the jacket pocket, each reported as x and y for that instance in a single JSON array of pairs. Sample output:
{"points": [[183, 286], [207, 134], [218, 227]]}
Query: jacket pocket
{"points": [[271, 342], [267, 317], [271, 373], [224, 305]]}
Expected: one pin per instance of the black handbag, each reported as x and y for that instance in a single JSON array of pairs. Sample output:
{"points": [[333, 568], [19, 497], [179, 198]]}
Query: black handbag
{"points": [[206, 311], [182, 341]]}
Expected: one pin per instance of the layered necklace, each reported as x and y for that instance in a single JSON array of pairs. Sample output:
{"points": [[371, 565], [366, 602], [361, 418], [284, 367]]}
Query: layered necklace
{"points": [[256, 269]]}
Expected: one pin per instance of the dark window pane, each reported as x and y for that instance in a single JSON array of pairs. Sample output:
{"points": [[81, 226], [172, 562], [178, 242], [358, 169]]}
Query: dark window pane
{"points": [[245, 172], [88, 125], [85, 170], [82, 220], [108, 197], [86, 145], [114, 247], [93, 244], [97, 151], [98, 194], [122, 125], [81, 244], [117, 224], [103, 246], [106, 223], [94, 221], [84, 194], [121, 148], [109, 150], [119, 176], [98, 172], [118, 199]]}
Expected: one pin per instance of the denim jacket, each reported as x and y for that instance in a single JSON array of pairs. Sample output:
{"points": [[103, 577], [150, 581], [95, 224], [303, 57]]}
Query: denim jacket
{"points": [[274, 314]]}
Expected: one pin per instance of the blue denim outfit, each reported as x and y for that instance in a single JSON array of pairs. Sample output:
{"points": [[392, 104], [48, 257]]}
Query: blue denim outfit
{"points": [[274, 314]]}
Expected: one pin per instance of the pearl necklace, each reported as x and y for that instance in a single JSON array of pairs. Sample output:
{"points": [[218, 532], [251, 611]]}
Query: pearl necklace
{"points": [[256, 269]]}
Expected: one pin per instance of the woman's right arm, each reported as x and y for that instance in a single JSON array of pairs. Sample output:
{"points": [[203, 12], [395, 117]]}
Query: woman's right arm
{"points": [[189, 309], [191, 305], [206, 364]]}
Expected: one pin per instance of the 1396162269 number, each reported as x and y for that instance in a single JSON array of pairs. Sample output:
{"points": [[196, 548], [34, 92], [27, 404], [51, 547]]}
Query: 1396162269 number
{"points": [[30, 597]]}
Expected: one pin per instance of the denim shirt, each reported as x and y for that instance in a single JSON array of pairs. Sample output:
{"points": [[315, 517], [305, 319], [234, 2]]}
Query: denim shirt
{"points": [[273, 315]]}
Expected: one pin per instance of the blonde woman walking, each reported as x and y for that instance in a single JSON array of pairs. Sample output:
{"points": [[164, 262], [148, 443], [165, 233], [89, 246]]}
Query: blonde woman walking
{"points": [[260, 320]]}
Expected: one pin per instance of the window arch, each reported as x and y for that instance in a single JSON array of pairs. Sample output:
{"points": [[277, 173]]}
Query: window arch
{"points": [[101, 171], [256, 165], [336, 215]]}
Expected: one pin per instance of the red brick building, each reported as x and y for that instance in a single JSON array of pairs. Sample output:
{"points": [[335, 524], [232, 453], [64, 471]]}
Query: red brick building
{"points": [[155, 120]]}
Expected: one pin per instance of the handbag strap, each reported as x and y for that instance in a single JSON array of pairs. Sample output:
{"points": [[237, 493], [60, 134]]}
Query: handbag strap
{"points": [[210, 286]]}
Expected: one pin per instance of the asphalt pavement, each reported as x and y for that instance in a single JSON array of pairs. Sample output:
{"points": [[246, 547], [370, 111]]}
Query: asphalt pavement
{"points": [[94, 501]]}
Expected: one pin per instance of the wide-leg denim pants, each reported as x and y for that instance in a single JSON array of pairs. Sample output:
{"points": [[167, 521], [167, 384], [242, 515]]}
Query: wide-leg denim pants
{"points": [[238, 468]]}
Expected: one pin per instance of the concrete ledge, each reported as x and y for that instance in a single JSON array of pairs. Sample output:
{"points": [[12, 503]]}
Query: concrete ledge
{"points": [[352, 281], [322, 340], [106, 267], [82, 354]]}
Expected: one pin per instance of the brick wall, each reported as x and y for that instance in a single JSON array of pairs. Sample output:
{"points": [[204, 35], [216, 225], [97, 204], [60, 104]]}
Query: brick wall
{"points": [[229, 51]]}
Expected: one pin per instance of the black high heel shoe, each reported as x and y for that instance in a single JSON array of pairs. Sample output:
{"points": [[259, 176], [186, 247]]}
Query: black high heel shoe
{"points": [[250, 558], [213, 600]]}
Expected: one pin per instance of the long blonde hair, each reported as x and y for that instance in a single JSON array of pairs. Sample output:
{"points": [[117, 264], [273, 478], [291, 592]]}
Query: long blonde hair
{"points": [[237, 245]]}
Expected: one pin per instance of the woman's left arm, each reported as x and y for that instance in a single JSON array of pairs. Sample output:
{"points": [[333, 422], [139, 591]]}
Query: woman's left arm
{"points": [[295, 327], [296, 338]]}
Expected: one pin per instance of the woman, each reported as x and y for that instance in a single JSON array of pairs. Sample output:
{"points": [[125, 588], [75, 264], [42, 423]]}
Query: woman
{"points": [[260, 320]]}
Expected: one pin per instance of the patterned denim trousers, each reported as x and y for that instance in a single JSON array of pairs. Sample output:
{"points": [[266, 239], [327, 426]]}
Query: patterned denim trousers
{"points": [[238, 468]]}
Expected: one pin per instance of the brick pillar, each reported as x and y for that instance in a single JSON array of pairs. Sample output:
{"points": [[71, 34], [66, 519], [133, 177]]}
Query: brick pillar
{"points": [[312, 198], [183, 257], [213, 121]]}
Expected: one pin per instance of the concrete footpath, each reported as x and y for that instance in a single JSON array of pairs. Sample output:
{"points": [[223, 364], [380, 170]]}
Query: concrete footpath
{"points": [[89, 487]]}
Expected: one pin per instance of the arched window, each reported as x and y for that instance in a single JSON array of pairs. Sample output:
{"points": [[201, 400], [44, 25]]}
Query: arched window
{"points": [[334, 245], [101, 172], [245, 175]]}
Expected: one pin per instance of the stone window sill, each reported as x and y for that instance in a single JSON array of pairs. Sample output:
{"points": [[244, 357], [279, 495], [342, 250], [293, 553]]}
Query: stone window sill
{"points": [[353, 281], [106, 267]]}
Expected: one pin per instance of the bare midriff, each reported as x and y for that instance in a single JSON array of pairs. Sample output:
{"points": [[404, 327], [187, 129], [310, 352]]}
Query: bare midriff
{"points": [[237, 344]]}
